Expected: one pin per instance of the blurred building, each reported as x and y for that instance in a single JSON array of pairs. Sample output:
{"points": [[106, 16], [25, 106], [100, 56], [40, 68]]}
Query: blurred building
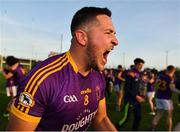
{"points": [[52, 53]]}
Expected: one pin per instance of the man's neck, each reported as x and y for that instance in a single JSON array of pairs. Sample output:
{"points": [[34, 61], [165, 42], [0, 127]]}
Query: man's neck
{"points": [[14, 67], [81, 62]]}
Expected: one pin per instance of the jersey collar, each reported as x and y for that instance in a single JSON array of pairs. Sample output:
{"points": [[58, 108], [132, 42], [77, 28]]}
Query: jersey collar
{"points": [[72, 61]]}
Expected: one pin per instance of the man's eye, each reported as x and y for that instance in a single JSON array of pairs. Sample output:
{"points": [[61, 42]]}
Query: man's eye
{"points": [[108, 32]]}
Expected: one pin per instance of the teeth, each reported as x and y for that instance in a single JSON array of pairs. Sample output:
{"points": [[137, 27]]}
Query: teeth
{"points": [[110, 49]]}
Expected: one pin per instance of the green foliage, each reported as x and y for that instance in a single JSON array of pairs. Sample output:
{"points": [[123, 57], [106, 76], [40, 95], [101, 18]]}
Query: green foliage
{"points": [[178, 69], [3, 103]]}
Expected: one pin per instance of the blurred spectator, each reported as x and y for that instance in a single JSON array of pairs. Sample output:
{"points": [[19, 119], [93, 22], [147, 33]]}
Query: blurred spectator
{"points": [[132, 97], [118, 87], [166, 85]]}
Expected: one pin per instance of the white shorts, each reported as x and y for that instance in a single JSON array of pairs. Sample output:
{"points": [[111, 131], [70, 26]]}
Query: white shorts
{"points": [[151, 94], [11, 91], [164, 104], [118, 88], [110, 83]]}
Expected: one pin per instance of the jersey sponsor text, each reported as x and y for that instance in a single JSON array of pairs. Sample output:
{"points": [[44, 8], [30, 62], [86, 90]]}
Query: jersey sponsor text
{"points": [[82, 122]]}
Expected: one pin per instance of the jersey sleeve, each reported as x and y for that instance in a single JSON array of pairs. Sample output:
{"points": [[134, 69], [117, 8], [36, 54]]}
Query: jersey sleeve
{"points": [[31, 102]]}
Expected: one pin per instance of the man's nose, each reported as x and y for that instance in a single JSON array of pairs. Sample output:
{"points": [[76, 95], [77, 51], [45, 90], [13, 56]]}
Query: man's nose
{"points": [[115, 41]]}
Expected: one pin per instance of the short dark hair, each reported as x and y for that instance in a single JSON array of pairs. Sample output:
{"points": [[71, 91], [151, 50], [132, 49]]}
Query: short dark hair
{"points": [[11, 60], [86, 14], [138, 60], [119, 66], [131, 66], [170, 68]]}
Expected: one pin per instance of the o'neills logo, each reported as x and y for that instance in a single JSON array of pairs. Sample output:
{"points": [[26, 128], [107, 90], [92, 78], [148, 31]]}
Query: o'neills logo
{"points": [[79, 124], [86, 91]]}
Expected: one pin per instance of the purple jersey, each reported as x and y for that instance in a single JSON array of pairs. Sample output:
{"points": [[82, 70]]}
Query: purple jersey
{"points": [[18, 75], [164, 91], [57, 96], [117, 80], [150, 87], [10, 82]]}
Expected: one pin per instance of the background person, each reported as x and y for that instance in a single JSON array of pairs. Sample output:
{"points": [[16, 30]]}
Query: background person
{"points": [[110, 82], [132, 97], [11, 89], [16, 69], [119, 87], [151, 92], [14, 73], [166, 86]]}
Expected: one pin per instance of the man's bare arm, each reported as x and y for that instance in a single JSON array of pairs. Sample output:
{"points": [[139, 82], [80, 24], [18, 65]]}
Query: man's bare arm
{"points": [[17, 124], [102, 121]]}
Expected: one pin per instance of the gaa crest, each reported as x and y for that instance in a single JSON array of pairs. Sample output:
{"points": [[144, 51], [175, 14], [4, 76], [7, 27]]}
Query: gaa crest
{"points": [[98, 93], [26, 99]]}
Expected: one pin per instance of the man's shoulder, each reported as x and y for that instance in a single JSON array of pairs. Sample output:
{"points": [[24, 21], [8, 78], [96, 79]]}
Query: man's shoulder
{"points": [[46, 68], [51, 62]]}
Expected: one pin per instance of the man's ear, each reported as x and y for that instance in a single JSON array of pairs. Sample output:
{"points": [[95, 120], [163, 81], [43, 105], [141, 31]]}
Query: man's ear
{"points": [[81, 37]]}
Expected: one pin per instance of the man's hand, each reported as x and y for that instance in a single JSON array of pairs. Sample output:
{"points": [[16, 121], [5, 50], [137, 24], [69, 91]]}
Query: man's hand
{"points": [[172, 85], [101, 120], [140, 99], [132, 74]]}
